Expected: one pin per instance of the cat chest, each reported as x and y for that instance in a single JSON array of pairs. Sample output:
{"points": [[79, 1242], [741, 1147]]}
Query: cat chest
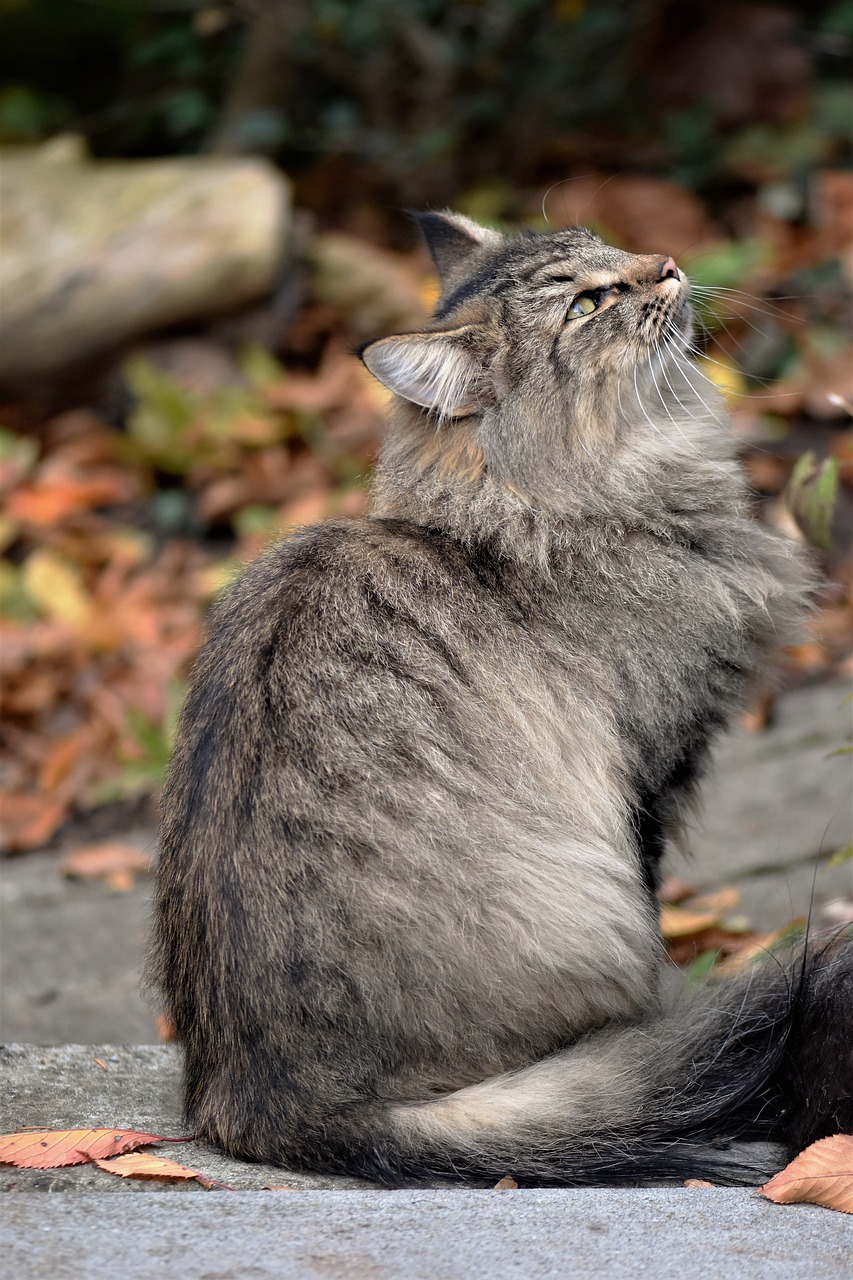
{"points": [[677, 645]]}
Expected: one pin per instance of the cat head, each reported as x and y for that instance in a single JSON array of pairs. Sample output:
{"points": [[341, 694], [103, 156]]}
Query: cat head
{"points": [[543, 313], [543, 353]]}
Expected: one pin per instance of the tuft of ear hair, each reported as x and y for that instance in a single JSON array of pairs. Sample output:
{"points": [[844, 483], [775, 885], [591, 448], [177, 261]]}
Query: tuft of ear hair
{"points": [[438, 371], [452, 240]]}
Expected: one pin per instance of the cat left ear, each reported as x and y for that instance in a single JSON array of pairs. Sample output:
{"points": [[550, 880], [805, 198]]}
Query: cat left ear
{"points": [[438, 371], [453, 240]]}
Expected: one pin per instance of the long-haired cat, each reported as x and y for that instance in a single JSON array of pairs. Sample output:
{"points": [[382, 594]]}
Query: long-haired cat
{"points": [[406, 922]]}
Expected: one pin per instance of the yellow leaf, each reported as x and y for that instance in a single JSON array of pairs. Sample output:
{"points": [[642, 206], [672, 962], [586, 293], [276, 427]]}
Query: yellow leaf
{"points": [[55, 587], [726, 377]]}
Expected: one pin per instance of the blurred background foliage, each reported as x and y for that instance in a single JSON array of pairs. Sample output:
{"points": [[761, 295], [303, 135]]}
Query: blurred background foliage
{"points": [[425, 100], [720, 131]]}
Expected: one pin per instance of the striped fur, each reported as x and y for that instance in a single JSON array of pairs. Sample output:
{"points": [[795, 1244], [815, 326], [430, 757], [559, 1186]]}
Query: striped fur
{"points": [[430, 760]]}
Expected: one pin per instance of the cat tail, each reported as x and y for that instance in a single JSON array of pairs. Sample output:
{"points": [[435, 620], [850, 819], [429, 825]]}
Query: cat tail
{"points": [[699, 1091]]}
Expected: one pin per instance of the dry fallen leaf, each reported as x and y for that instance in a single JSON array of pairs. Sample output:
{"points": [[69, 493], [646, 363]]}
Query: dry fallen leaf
{"points": [[720, 900], [506, 1184], [697, 1183], [141, 1164], [53, 1148], [27, 820], [109, 859], [166, 1029], [759, 944], [682, 922], [822, 1174], [674, 890]]}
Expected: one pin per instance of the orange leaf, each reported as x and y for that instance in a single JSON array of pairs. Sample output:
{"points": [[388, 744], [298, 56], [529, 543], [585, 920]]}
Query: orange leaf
{"points": [[697, 1183], [141, 1164], [680, 922], [166, 1029], [721, 900], [92, 861], [63, 758], [822, 1174], [674, 890], [26, 820], [506, 1183], [53, 1148]]}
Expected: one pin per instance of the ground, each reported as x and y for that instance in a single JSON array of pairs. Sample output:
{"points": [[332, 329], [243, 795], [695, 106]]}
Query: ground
{"points": [[775, 805]]}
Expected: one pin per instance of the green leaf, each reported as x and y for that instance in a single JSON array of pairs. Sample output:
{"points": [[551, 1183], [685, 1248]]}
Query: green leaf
{"points": [[261, 367], [811, 495], [159, 424], [841, 855]]}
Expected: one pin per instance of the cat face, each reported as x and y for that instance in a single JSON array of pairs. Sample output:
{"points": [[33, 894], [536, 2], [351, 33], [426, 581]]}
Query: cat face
{"points": [[540, 321]]}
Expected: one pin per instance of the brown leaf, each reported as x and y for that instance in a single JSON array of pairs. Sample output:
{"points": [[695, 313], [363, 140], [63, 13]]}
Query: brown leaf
{"points": [[697, 1183], [506, 1183], [822, 1174], [757, 944], [720, 900], [47, 503], [166, 1029], [54, 1148], [141, 1164], [27, 821], [65, 759], [681, 922], [110, 858], [674, 890]]}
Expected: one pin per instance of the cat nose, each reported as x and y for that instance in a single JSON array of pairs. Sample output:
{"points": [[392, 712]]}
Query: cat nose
{"points": [[668, 270]]}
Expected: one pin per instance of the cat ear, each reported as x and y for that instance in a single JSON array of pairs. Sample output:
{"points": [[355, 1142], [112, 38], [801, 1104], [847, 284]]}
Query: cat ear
{"points": [[437, 371], [452, 240]]}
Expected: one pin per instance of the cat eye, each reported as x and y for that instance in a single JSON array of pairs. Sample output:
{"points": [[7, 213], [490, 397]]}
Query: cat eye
{"points": [[583, 305]]}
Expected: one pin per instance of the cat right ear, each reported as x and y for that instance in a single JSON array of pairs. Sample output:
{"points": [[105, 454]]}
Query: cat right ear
{"points": [[438, 371], [453, 240]]}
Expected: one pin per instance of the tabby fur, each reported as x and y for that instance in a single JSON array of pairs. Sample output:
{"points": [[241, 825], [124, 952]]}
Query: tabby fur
{"points": [[430, 761]]}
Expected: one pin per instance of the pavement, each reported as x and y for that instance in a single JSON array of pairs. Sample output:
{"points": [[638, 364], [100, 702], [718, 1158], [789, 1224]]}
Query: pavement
{"points": [[776, 805], [427, 1235]]}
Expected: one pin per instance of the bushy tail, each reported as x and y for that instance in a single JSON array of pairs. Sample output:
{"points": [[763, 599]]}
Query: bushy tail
{"points": [[766, 1058]]}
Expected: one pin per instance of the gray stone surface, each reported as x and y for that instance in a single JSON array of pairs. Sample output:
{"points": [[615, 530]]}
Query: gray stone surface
{"points": [[426, 1235], [775, 806], [131, 1087], [71, 952]]}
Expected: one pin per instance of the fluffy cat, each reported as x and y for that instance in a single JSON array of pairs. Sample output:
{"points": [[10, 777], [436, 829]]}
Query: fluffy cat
{"points": [[405, 921]]}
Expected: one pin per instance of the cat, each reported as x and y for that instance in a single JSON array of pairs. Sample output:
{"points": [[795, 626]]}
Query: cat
{"points": [[405, 921]]}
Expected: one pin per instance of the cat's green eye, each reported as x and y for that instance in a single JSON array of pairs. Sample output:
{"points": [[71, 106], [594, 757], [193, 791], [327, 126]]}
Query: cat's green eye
{"points": [[583, 305]]}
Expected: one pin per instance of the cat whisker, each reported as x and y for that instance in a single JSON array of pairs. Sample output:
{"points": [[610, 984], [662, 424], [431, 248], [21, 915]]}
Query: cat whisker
{"points": [[690, 444], [741, 298], [691, 350]]}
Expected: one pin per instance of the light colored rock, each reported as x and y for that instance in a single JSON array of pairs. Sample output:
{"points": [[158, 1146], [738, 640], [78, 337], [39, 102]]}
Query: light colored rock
{"points": [[96, 253]]}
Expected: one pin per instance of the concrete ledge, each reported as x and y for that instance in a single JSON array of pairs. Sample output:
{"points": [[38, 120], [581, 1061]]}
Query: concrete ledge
{"points": [[63, 1087], [106, 1225], [426, 1235]]}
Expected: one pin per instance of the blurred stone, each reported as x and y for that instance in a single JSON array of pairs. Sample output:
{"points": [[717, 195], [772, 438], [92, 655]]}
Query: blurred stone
{"points": [[98, 253], [374, 289]]}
